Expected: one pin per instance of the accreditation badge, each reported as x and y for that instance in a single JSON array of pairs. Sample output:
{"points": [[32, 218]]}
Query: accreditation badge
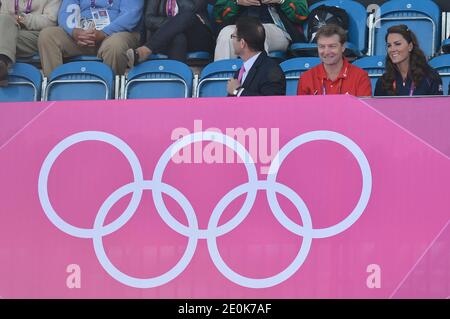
{"points": [[100, 17]]}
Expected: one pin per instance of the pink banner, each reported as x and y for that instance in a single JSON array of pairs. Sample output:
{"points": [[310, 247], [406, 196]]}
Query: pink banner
{"points": [[292, 197]]}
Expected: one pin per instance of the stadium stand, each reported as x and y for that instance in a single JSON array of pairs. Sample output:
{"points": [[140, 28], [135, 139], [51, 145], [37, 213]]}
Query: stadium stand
{"points": [[158, 79], [25, 83], [214, 77], [357, 33], [443, 4], [442, 65], [374, 65], [81, 80], [293, 69], [421, 16], [165, 78]]}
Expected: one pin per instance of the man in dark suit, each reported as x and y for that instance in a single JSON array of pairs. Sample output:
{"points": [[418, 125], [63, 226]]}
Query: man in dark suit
{"points": [[259, 74]]}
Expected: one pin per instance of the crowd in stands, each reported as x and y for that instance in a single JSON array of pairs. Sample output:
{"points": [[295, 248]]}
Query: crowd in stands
{"points": [[279, 18], [174, 28], [124, 33]]}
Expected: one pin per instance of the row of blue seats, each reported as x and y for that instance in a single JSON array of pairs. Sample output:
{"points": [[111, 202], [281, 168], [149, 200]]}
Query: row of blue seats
{"points": [[367, 29], [92, 80]]}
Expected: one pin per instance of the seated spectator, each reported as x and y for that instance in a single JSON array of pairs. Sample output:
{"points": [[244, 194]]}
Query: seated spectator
{"points": [[407, 71], [335, 75], [282, 20], [20, 24], [259, 74], [175, 27], [106, 28]]}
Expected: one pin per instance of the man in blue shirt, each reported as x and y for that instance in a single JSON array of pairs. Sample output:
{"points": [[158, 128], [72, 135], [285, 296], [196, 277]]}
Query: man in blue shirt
{"points": [[106, 28]]}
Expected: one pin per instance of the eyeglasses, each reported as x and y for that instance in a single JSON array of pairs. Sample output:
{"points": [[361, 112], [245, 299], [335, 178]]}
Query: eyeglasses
{"points": [[234, 36]]}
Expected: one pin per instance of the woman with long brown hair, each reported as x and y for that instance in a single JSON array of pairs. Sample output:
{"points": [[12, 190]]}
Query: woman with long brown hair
{"points": [[407, 71]]}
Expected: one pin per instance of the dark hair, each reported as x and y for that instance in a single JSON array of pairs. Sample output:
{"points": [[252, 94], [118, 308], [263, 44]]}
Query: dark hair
{"points": [[331, 29], [252, 31], [417, 59]]}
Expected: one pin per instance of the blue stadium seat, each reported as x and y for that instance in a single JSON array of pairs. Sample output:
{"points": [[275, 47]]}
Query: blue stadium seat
{"points": [[198, 55], [210, 9], [214, 77], [195, 57], [81, 80], [279, 55], [25, 83], [357, 33], [293, 69], [157, 56], [303, 49], [34, 59], [442, 65], [446, 46], [374, 65], [214, 26], [84, 58], [423, 17], [158, 79]]}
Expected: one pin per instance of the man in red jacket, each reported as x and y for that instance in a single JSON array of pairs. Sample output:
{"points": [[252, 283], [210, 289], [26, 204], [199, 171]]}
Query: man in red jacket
{"points": [[335, 75]]}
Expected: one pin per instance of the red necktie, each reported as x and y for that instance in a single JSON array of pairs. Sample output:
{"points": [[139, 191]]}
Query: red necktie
{"points": [[241, 73]]}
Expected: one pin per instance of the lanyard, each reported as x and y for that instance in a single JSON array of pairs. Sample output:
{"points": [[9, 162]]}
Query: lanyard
{"points": [[27, 9], [110, 2], [324, 89], [411, 89]]}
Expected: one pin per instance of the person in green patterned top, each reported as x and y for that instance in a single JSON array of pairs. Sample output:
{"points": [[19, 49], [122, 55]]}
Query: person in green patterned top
{"points": [[282, 21]]}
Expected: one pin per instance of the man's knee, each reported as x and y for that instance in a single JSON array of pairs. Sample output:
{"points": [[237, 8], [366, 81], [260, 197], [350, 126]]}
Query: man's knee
{"points": [[47, 36], [114, 45], [7, 19], [180, 41], [185, 18]]}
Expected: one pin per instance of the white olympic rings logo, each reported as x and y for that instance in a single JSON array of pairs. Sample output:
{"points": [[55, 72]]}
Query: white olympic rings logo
{"points": [[192, 231]]}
